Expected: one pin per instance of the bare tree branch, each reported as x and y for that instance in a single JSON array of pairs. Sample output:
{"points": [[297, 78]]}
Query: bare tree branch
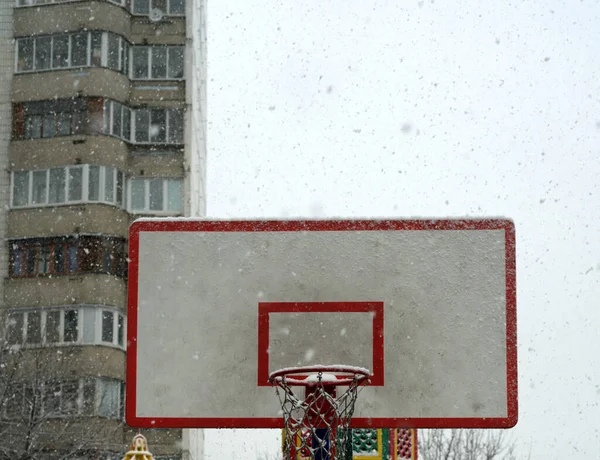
{"points": [[462, 444]]}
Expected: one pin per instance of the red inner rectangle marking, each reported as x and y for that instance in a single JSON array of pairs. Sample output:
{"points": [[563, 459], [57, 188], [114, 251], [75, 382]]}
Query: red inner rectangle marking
{"points": [[266, 308]]}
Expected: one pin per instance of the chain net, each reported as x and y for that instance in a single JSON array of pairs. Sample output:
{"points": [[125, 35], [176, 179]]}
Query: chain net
{"points": [[318, 427]]}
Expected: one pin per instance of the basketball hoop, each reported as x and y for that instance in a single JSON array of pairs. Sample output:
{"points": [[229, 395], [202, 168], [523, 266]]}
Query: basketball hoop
{"points": [[318, 426]]}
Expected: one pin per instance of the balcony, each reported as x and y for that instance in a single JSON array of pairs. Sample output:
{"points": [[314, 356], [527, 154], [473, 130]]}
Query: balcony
{"points": [[73, 16]]}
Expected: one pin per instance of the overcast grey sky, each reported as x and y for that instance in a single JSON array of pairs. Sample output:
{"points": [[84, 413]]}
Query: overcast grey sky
{"points": [[439, 109]]}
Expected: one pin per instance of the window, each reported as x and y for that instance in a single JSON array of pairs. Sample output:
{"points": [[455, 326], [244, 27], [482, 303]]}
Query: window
{"points": [[60, 52], [75, 183], [15, 328], [114, 52], [61, 326], [117, 120], [159, 126], [87, 396], [34, 327], [67, 326], [71, 326], [158, 68], [175, 64], [79, 49], [87, 183], [52, 327], [58, 181], [25, 54], [140, 62], [93, 183], [170, 7], [107, 326], [70, 398], [109, 398], [40, 187], [156, 195], [63, 255], [43, 51], [61, 117], [96, 58], [157, 62], [120, 330], [20, 189]]}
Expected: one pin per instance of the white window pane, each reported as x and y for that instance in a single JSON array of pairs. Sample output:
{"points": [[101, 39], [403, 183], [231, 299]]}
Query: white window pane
{"points": [[34, 327], [57, 185], [141, 6], [176, 6], [138, 194], [109, 398], [75, 183], [109, 185], [25, 54], [159, 62], [71, 326], [20, 188], [64, 122], [113, 52], [89, 325], [142, 124], [140, 62], [96, 48], [94, 183], [79, 49], [107, 326], [156, 194], [60, 52], [40, 187], [126, 124], [176, 62], [175, 195], [117, 119], [44, 260], [120, 184], [124, 57], [42, 52], [53, 327], [158, 125], [33, 127], [15, 328], [121, 330], [70, 398], [176, 121], [49, 125]]}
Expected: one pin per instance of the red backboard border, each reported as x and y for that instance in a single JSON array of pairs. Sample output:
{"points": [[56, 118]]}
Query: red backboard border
{"points": [[192, 225]]}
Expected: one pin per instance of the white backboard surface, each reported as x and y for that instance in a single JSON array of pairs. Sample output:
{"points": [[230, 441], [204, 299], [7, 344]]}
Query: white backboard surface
{"points": [[429, 306]]}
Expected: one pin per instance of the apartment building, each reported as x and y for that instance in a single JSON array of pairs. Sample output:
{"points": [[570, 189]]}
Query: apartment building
{"points": [[102, 120]]}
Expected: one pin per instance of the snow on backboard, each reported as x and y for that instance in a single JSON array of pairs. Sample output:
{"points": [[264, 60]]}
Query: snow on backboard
{"points": [[429, 306]]}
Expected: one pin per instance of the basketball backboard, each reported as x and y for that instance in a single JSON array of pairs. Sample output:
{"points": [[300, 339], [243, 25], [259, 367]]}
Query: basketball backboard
{"points": [[429, 306]]}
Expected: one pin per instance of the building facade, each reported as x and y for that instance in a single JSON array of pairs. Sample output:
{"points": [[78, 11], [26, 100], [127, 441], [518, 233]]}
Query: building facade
{"points": [[102, 120]]}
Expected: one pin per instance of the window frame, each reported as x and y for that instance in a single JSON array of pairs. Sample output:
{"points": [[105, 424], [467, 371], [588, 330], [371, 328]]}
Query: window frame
{"points": [[75, 257], [119, 323], [149, 62], [165, 198], [151, 6], [75, 406], [106, 37], [118, 176], [169, 129]]}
